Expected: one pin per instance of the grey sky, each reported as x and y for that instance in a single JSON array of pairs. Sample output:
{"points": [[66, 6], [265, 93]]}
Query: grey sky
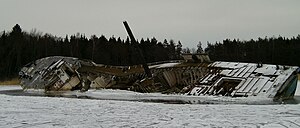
{"points": [[189, 21]]}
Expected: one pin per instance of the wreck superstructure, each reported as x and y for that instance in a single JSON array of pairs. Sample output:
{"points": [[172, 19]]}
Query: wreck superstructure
{"points": [[196, 75], [51, 73], [248, 79], [231, 79], [65, 73]]}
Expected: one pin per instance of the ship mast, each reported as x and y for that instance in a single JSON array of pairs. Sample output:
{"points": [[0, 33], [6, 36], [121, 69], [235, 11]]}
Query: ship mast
{"points": [[135, 45]]}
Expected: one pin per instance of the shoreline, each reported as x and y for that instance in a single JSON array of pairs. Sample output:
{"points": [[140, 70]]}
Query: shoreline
{"points": [[13, 81]]}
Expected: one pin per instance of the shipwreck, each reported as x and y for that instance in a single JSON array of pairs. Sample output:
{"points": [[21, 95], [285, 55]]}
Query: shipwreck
{"points": [[194, 76], [248, 79]]}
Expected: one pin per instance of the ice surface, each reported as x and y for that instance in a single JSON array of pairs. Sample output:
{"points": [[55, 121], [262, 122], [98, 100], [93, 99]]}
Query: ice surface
{"points": [[31, 111], [164, 65]]}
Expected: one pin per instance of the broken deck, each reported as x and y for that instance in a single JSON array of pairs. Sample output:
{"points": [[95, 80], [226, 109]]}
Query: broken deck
{"points": [[248, 79]]}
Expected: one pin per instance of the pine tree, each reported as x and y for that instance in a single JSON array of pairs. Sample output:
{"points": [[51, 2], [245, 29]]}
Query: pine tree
{"points": [[199, 48]]}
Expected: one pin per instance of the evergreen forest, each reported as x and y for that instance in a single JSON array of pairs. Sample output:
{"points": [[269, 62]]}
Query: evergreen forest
{"points": [[273, 50], [17, 48]]}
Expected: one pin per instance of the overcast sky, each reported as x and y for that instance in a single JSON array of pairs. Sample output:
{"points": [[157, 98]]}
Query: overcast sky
{"points": [[189, 21]]}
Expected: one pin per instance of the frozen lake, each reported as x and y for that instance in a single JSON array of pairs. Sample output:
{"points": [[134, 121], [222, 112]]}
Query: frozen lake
{"points": [[35, 111]]}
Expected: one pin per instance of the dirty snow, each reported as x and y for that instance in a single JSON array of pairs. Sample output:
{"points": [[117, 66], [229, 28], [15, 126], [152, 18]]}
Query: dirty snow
{"points": [[33, 111]]}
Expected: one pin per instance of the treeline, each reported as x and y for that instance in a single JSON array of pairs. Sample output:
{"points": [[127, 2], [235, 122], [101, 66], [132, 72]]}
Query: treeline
{"points": [[274, 50], [18, 48]]}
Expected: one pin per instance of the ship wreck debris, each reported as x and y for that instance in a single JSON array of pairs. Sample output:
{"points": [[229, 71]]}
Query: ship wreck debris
{"points": [[248, 79], [65, 73], [200, 78], [196, 75]]}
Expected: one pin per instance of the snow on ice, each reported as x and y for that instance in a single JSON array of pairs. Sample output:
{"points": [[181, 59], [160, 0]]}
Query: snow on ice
{"points": [[32, 111]]}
